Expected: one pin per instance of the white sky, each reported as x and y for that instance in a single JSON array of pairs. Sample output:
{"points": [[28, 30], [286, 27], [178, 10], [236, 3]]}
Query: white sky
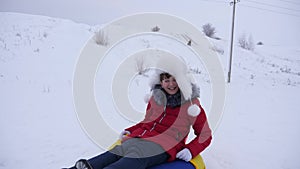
{"points": [[274, 22]]}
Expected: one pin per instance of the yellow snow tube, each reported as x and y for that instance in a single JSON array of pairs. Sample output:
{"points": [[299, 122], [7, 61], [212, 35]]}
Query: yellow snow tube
{"points": [[198, 162]]}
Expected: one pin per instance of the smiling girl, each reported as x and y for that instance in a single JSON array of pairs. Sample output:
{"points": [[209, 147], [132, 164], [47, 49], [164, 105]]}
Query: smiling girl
{"points": [[161, 136]]}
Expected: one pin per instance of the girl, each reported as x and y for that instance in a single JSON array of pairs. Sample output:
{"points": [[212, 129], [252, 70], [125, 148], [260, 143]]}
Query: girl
{"points": [[161, 136]]}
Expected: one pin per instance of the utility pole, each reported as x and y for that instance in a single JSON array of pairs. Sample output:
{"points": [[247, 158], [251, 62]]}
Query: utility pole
{"points": [[232, 32]]}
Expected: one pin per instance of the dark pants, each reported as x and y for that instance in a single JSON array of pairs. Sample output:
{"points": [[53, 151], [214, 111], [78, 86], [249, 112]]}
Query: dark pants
{"points": [[134, 154]]}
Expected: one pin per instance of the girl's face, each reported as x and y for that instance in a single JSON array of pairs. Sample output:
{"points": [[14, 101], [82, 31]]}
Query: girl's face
{"points": [[170, 85]]}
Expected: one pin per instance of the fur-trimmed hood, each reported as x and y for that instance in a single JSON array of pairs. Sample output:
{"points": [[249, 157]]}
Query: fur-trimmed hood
{"points": [[178, 69]]}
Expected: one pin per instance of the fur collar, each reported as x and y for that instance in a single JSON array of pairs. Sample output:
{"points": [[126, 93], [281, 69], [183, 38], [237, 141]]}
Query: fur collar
{"points": [[161, 97]]}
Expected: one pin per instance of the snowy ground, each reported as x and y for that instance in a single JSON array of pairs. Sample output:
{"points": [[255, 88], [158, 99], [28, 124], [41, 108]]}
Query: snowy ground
{"points": [[39, 126]]}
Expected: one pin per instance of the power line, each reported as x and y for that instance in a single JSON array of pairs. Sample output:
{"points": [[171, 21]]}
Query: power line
{"points": [[266, 4], [292, 2], [215, 1], [270, 10]]}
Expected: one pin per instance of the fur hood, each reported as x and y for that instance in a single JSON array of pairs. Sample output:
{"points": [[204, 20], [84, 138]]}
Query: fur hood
{"points": [[177, 68]]}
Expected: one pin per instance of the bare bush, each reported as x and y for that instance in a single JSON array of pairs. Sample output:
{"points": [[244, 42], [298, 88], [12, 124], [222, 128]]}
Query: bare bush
{"points": [[155, 29], [208, 30], [218, 49], [140, 66], [260, 43], [195, 70], [246, 42], [101, 38]]}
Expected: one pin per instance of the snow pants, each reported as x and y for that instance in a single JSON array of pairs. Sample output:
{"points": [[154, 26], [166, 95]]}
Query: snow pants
{"points": [[134, 153]]}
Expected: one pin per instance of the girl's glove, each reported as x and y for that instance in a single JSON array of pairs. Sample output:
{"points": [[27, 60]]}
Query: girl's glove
{"points": [[184, 154], [123, 134]]}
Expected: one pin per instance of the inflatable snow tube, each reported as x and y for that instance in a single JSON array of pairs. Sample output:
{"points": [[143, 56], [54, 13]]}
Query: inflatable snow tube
{"points": [[177, 164], [195, 163]]}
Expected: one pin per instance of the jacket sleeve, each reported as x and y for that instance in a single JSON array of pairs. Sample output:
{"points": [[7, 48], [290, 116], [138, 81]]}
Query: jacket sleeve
{"points": [[202, 131], [145, 120]]}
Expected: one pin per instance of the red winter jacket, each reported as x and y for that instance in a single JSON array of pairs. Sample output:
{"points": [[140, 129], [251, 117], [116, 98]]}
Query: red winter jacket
{"points": [[171, 127]]}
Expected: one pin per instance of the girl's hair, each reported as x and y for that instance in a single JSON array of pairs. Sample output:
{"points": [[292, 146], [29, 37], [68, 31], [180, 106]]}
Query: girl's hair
{"points": [[164, 76]]}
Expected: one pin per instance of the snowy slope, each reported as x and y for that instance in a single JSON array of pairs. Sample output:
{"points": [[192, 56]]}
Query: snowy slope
{"points": [[38, 123], [39, 126]]}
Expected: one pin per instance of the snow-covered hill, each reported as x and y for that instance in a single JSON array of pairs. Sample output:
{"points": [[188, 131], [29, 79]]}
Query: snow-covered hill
{"points": [[39, 126]]}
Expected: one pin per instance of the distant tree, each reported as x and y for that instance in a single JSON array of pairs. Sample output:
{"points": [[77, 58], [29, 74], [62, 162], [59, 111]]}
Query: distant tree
{"points": [[208, 30]]}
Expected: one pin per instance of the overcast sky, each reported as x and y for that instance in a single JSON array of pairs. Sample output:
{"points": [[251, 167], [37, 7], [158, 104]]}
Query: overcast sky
{"points": [[272, 21]]}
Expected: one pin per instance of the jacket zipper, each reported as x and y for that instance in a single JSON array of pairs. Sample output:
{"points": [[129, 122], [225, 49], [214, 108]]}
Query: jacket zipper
{"points": [[153, 127]]}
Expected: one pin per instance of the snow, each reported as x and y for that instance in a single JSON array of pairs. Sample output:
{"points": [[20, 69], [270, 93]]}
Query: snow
{"points": [[39, 126]]}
